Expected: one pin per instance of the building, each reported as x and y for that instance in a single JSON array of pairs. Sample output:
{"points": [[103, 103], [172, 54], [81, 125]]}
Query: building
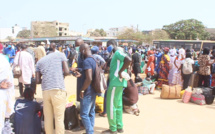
{"points": [[113, 32], [49, 29], [74, 33], [10, 32]]}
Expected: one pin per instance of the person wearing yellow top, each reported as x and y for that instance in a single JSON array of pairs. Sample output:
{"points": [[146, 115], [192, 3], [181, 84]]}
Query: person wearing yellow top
{"points": [[40, 52]]}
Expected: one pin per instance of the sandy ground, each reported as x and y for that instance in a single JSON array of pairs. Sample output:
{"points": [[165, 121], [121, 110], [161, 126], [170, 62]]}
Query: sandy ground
{"points": [[157, 116]]}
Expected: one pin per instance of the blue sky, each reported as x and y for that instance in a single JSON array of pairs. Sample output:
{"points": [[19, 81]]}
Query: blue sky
{"points": [[86, 14]]}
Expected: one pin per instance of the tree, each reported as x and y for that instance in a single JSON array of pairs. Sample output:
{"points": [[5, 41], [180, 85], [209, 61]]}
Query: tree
{"points": [[187, 30], [10, 38], [131, 34], [156, 34], [24, 34], [98, 33]]}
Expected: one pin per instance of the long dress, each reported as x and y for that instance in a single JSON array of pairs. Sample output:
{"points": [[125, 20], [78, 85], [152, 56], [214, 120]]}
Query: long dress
{"points": [[177, 77], [151, 65], [171, 71], [7, 96], [164, 71]]}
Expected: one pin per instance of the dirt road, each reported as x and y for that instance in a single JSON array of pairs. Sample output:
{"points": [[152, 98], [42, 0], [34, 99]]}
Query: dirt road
{"points": [[157, 116]]}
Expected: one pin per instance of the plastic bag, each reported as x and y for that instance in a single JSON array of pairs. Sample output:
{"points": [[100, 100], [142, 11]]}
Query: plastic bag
{"points": [[197, 91], [187, 95]]}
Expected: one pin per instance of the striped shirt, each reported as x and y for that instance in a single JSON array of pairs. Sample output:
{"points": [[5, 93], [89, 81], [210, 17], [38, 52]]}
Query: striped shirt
{"points": [[51, 68]]}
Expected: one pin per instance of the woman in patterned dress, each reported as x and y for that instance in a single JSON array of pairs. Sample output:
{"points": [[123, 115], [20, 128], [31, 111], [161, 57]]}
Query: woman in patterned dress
{"points": [[164, 69]]}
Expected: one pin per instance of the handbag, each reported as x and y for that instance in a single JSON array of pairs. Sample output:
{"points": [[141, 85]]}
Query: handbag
{"points": [[17, 72]]}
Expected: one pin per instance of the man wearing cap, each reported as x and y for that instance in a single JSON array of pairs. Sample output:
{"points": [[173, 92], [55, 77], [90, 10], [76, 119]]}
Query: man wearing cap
{"points": [[40, 51], [101, 62], [10, 52]]}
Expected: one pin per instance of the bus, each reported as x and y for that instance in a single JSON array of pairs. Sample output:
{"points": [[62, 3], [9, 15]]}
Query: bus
{"points": [[197, 45]]}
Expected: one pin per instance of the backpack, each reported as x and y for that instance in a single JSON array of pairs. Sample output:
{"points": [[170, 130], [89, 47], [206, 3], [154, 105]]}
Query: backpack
{"points": [[73, 53], [99, 82], [187, 67], [71, 119]]}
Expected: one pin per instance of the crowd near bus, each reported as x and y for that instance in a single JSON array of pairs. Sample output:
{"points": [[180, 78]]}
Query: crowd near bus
{"points": [[127, 70]]}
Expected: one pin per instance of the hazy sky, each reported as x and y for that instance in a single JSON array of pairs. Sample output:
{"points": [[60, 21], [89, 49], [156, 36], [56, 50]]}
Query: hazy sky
{"points": [[86, 14]]}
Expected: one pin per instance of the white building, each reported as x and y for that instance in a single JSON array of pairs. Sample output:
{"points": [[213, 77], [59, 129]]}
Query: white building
{"points": [[113, 32], [74, 33], [12, 32]]}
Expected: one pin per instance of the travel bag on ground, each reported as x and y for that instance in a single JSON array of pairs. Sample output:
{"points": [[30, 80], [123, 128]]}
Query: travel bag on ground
{"points": [[194, 80], [206, 91], [213, 90], [198, 99], [182, 93], [209, 99], [71, 118], [170, 92], [143, 90], [187, 95]]}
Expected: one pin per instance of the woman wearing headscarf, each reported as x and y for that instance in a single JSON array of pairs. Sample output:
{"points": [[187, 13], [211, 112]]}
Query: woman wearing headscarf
{"points": [[171, 64], [7, 93], [151, 63], [177, 77], [164, 69]]}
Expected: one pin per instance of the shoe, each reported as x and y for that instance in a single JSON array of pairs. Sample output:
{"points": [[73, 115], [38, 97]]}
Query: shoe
{"points": [[120, 130], [109, 132], [78, 129], [103, 115]]}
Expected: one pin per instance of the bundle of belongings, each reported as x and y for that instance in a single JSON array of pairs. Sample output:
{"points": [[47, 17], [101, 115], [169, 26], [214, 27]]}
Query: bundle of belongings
{"points": [[200, 96]]}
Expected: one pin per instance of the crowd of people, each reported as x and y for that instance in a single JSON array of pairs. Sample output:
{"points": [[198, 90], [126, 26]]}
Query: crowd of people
{"points": [[49, 64]]}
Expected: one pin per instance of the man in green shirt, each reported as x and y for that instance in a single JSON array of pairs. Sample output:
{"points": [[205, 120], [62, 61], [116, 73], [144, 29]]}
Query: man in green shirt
{"points": [[119, 63]]}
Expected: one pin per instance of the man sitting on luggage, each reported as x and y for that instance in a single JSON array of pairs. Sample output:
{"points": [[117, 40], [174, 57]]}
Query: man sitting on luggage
{"points": [[26, 120]]}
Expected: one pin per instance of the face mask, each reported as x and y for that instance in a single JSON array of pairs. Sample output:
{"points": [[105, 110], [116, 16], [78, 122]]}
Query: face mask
{"points": [[50, 49]]}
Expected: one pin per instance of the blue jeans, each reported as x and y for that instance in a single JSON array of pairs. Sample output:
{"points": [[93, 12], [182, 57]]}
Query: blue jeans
{"points": [[88, 112]]}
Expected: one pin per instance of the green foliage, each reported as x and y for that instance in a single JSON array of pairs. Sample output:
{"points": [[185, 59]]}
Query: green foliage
{"points": [[98, 33], [24, 34], [190, 29], [131, 34], [10, 38]]}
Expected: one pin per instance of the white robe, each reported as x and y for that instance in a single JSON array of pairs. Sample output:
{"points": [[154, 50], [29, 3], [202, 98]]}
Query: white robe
{"points": [[26, 64], [7, 96]]}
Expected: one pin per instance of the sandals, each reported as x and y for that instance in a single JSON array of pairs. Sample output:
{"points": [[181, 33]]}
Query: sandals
{"points": [[102, 114]]}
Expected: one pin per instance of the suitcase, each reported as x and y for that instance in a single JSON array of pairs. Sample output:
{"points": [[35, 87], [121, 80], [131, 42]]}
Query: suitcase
{"points": [[213, 90], [209, 99], [206, 91], [194, 80], [170, 92]]}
